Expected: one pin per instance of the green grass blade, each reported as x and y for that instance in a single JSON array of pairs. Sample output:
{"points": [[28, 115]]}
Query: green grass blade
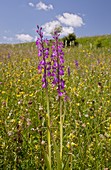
{"points": [[67, 167], [47, 161], [57, 155]]}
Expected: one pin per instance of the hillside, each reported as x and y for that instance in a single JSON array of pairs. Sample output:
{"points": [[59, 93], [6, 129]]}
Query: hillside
{"points": [[104, 40]]}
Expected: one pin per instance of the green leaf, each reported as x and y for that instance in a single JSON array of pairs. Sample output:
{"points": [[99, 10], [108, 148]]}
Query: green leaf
{"points": [[67, 167], [47, 162], [57, 155]]}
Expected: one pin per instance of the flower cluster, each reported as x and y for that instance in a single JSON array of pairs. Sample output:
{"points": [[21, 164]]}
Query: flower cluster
{"points": [[54, 67], [57, 60], [43, 52]]}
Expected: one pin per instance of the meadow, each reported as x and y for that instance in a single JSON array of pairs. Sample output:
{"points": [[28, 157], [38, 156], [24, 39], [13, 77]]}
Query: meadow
{"points": [[86, 112]]}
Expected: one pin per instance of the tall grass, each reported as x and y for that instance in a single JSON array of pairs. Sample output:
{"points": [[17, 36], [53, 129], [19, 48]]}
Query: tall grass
{"points": [[86, 114]]}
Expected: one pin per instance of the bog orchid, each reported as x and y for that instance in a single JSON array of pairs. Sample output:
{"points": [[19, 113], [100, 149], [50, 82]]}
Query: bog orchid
{"points": [[43, 54], [57, 60], [45, 66], [55, 67]]}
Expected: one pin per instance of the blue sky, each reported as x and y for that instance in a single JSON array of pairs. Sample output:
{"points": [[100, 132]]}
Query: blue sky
{"points": [[18, 18]]}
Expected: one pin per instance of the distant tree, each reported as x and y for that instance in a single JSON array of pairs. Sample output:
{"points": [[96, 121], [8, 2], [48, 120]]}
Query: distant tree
{"points": [[72, 37], [70, 40], [66, 41]]}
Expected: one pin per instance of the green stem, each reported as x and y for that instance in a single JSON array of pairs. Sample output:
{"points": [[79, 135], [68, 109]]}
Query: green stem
{"points": [[61, 129], [48, 128]]}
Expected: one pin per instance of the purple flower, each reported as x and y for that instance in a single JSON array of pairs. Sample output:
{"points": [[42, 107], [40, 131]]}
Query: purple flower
{"points": [[61, 72], [60, 93], [57, 59], [54, 67], [76, 63], [43, 53], [62, 84], [44, 85], [55, 81], [48, 73]]}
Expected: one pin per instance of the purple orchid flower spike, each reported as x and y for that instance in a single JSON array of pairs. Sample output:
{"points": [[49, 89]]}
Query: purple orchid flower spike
{"points": [[43, 54], [57, 59]]}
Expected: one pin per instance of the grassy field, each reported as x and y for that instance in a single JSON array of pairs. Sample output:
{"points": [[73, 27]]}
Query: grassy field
{"points": [[86, 113]]}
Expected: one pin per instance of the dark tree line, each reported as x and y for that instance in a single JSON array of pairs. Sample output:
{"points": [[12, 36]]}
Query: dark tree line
{"points": [[70, 40]]}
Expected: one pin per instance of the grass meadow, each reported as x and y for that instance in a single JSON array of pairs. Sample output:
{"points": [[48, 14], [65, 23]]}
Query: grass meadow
{"points": [[86, 113]]}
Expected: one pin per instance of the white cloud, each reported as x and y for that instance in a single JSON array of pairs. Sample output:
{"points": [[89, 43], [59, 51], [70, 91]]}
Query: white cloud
{"points": [[67, 30], [43, 6], [70, 20], [31, 4], [49, 27], [24, 37]]}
